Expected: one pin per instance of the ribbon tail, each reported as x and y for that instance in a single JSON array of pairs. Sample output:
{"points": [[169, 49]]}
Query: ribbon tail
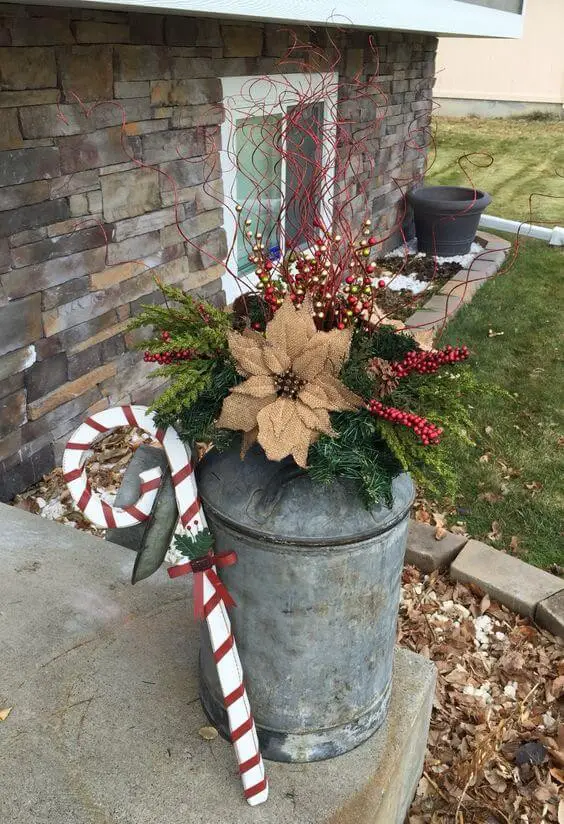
{"points": [[198, 596], [220, 588]]}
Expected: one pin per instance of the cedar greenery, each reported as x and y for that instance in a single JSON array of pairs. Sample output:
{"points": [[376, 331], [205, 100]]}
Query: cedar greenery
{"points": [[191, 325], [367, 451]]}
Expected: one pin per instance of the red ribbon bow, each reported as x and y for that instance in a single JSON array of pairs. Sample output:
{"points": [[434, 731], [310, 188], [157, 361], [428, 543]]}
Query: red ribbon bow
{"points": [[204, 566]]}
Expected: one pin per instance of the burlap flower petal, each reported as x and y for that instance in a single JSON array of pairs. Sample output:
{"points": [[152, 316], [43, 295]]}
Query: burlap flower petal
{"points": [[301, 447], [241, 411], [314, 396], [290, 329], [313, 357], [281, 429], [339, 397], [276, 359], [259, 386], [316, 419], [339, 344], [248, 439], [247, 349]]}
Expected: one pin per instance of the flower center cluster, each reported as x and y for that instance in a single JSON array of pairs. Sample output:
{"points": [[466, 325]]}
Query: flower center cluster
{"points": [[288, 384]]}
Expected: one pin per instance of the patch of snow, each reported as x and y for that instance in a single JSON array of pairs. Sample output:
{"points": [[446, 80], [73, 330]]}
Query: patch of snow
{"points": [[510, 690], [53, 510], [30, 357], [459, 609], [398, 282], [403, 250], [482, 693], [107, 497], [548, 720], [484, 627], [411, 249]]}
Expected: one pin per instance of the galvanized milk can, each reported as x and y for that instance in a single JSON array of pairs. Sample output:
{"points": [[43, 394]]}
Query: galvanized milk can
{"points": [[317, 586]]}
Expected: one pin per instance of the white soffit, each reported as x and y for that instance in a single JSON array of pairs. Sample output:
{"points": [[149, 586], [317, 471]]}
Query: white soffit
{"points": [[427, 16]]}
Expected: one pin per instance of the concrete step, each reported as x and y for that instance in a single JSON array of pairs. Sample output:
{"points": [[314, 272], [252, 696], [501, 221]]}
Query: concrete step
{"points": [[102, 678]]}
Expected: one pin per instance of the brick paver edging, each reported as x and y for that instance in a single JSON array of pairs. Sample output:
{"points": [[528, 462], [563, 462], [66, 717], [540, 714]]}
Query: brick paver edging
{"points": [[461, 288], [525, 589]]}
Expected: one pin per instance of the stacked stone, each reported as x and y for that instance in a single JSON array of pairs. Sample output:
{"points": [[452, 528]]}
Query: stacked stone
{"points": [[84, 231]]}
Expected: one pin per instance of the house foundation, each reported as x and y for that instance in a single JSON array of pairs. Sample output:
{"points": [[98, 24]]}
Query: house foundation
{"points": [[86, 96]]}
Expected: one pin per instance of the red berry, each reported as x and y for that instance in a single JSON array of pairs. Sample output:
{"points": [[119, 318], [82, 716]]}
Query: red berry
{"points": [[381, 283]]}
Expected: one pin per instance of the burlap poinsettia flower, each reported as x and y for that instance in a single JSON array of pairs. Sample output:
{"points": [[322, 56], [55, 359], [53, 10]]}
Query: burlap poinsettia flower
{"points": [[292, 384]]}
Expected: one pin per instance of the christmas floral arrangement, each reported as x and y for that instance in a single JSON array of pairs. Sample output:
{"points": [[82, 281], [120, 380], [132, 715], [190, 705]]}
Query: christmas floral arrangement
{"points": [[306, 363], [340, 391]]}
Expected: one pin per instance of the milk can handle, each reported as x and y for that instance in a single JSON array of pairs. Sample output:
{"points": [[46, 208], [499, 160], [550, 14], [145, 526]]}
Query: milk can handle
{"points": [[275, 486]]}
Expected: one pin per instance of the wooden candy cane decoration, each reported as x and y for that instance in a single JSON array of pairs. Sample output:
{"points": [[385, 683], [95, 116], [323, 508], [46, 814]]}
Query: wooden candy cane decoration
{"points": [[212, 591]]}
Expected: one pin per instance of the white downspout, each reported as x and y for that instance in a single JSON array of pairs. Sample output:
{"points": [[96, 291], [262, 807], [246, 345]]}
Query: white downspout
{"points": [[555, 237]]}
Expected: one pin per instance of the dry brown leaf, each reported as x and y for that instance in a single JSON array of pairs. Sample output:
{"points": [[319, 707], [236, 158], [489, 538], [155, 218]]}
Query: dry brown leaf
{"points": [[557, 688], [424, 338], [495, 533], [27, 504], [485, 458], [490, 497], [439, 518], [495, 781], [557, 774], [515, 544], [485, 604], [208, 733], [5, 713], [561, 811], [440, 533], [423, 516]]}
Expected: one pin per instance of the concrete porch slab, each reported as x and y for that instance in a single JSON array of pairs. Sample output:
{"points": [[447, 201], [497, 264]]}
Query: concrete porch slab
{"points": [[102, 678]]}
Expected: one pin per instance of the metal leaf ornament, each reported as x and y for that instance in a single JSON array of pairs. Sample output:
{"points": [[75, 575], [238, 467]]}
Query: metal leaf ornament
{"points": [[291, 384]]}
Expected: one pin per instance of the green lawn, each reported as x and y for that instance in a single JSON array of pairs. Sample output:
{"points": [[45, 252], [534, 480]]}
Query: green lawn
{"points": [[512, 483], [528, 159]]}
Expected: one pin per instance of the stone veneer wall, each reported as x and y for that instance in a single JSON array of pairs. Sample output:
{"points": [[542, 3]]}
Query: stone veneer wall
{"points": [[66, 295]]}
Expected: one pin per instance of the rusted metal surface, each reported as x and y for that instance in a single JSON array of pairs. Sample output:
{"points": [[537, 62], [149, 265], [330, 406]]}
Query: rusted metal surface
{"points": [[317, 585]]}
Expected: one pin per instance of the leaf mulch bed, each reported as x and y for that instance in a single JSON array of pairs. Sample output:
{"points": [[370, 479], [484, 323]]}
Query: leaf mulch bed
{"points": [[105, 468], [402, 303], [423, 267], [496, 744]]}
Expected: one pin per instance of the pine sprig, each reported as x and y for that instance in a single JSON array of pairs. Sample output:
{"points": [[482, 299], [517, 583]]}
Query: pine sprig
{"points": [[185, 323], [357, 454], [196, 421]]}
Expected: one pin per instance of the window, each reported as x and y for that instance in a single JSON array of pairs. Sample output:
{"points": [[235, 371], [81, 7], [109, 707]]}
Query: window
{"points": [[266, 122]]}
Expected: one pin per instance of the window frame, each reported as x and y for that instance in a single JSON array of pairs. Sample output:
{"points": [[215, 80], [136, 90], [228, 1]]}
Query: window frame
{"points": [[269, 91]]}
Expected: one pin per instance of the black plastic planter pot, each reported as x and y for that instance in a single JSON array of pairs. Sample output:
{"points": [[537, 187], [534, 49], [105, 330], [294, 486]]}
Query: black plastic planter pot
{"points": [[446, 218]]}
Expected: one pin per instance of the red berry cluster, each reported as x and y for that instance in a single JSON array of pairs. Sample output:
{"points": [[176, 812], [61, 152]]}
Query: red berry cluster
{"points": [[172, 356], [426, 431], [428, 362], [338, 301]]}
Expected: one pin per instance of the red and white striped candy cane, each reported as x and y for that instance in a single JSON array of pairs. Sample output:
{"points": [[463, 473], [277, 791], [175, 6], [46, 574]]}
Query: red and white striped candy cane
{"points": [[191, 517]]}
